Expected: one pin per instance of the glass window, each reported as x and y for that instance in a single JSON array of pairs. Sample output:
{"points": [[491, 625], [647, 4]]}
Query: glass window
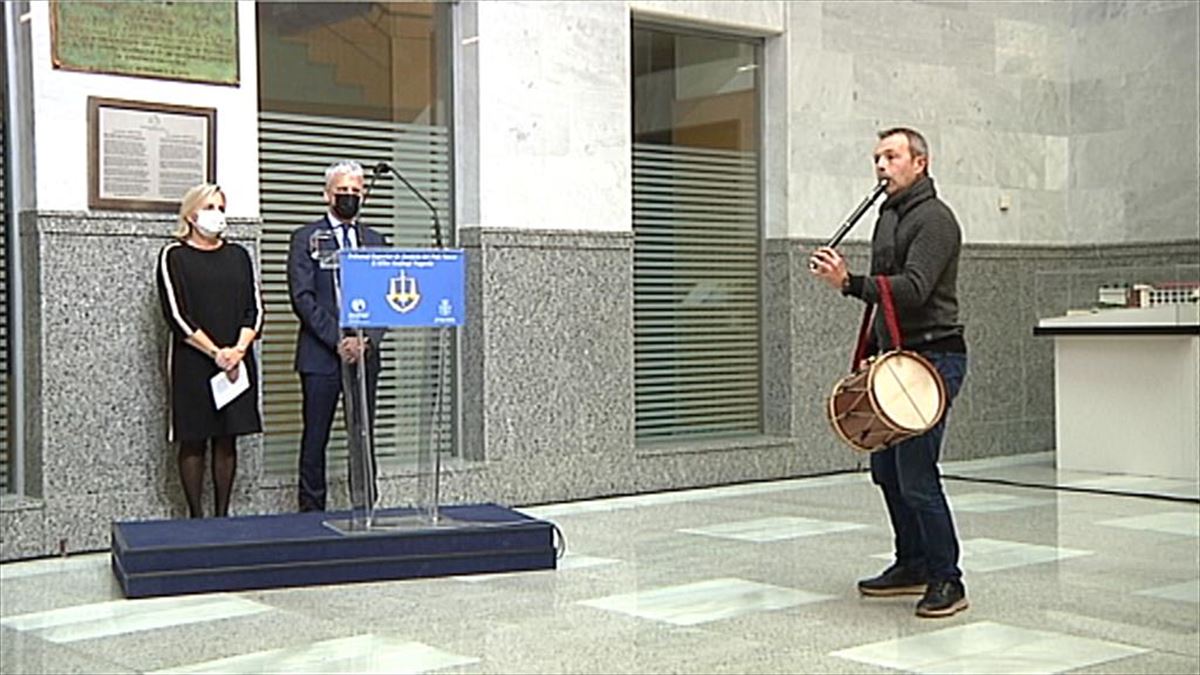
{"points": [[6, 459], [697, 236], [366, 81]]}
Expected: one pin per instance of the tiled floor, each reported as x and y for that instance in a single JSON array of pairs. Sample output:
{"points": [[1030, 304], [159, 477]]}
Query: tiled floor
{"points": [[989, 555], [747, 578], [987, 647]]}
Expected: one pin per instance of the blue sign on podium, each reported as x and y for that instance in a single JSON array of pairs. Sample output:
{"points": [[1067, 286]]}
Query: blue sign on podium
{"points": [[390, 287]]}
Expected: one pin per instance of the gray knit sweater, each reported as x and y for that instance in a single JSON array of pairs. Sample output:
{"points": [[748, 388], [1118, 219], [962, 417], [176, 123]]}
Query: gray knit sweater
{"points": [[916, 244]]}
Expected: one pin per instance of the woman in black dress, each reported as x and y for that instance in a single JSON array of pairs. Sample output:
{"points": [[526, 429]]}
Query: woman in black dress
{"points": [[211, 300]]}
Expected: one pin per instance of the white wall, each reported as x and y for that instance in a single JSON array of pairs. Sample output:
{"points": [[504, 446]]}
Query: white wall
{"points": [[551, 111], [60, 118]]}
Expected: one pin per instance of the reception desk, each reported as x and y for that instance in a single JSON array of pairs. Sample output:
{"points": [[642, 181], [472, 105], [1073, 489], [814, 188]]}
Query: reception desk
{"points": [[1127, 390]]}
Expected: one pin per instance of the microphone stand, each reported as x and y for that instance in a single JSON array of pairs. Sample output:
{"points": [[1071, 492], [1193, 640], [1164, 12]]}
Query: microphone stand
{"points": [[437, 223]]}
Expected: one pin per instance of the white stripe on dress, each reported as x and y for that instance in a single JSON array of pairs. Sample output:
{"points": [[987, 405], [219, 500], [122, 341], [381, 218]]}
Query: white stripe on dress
{"points": [[172, 301], [170, 392]]}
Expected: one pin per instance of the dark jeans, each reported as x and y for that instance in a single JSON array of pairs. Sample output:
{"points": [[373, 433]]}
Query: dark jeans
{"points": [[912, 488]]}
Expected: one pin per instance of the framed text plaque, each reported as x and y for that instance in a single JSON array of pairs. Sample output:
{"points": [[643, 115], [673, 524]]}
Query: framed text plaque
{"points": [[192, 41], [144, 156]]}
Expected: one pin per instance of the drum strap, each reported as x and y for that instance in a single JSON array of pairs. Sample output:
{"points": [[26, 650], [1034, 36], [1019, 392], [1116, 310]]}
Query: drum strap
{"points": [[889, 310], [889, 317]]}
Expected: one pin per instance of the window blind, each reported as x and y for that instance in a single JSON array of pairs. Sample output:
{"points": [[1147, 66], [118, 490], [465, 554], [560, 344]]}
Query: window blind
{"points": [[5, 446], [696, 293]]}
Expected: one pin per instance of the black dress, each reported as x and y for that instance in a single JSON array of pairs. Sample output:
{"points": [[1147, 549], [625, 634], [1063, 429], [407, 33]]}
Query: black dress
{"points": [[216, 291]]}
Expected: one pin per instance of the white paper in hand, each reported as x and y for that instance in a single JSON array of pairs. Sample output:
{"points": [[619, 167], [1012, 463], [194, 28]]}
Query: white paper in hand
{"points": [[225, 391]]}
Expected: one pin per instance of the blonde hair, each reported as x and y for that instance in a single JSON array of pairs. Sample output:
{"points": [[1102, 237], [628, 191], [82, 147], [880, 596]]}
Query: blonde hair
{"points": [[190, 204]]}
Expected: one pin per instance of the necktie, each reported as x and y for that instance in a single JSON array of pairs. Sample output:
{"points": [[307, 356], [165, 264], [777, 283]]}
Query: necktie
{"points": [[347, 238]]}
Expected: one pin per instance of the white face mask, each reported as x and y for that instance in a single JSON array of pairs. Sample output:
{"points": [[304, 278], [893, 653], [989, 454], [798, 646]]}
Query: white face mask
{"points": [[210, 222]]}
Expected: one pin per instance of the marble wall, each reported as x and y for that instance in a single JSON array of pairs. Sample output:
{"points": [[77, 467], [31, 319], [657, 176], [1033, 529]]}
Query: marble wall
{"points": [[1078, 118], [987, 83], [547, 372], [1134, 151]]}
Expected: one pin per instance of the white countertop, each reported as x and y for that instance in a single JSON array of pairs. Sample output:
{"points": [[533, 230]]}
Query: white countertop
{"points": [[1160, 315]]}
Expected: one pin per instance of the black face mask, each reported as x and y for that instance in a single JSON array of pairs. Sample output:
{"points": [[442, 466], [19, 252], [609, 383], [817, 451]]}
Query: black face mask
{"points": [[345, 206]]}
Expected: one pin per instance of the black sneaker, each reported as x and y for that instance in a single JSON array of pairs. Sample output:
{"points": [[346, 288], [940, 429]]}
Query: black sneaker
{"points": [[943, 598], [895, 580]]}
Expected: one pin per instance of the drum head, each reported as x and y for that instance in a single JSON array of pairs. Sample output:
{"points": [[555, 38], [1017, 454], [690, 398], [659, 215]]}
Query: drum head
{"points": [[906, 391]]}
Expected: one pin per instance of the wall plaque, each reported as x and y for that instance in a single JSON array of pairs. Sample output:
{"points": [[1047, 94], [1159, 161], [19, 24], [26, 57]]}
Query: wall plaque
{"points": [[144, 156], [194, 41]]}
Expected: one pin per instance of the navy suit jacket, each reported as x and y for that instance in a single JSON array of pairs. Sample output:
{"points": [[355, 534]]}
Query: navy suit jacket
{"points": [[311, 291]]}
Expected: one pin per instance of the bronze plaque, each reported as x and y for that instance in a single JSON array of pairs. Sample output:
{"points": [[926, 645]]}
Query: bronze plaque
{"points": [[193, 41]]}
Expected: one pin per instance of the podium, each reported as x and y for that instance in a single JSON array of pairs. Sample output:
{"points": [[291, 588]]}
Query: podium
{"points": [[380, 290]]}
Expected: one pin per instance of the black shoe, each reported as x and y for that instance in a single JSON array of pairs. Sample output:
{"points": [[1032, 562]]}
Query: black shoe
{"points": [[895, 580], [943, 598]]}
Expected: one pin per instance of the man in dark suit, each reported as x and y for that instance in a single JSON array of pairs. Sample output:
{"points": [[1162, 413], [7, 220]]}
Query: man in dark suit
{"points": [[322, 346]]}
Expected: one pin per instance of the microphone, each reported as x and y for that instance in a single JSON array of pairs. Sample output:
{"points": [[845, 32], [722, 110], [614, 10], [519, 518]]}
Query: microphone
{"points": [[384, 167]]}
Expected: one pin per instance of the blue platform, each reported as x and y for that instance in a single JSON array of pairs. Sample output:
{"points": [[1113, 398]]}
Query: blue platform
{"points": [[173, 557]]}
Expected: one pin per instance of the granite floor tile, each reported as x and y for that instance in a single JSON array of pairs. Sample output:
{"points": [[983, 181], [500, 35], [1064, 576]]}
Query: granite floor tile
{"points": [[755, 578], [772, 529], [570, 561], [108, 619], [359, 654], [989, 555], [1183, 523], [989, 647], [59, 565], [25, 653], [992, 502], [704, 601], [1188, 591]]}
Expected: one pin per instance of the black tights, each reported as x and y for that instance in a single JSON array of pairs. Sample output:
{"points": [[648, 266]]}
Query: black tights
{"points": [[191, 473]]}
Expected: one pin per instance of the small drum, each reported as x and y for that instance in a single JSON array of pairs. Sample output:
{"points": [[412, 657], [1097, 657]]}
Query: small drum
{"points": [[897, 396]]}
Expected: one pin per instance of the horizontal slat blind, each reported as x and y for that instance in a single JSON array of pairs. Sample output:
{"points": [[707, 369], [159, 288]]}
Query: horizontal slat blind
{"points": [[5, 447], [294, 151], [696, 293]]}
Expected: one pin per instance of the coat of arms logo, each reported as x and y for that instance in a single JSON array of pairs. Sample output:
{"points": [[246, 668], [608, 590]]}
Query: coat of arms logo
{"points": [[403, 295]]}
